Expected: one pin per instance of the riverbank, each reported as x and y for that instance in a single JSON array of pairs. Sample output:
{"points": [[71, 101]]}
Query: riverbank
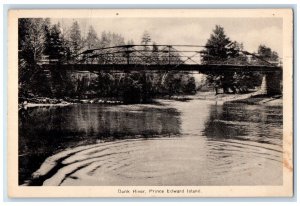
{"points": [[47, 102], [253, 98], [262, 100]]}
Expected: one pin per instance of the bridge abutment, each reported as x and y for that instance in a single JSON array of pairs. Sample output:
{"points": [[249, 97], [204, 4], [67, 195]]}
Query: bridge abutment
{"points": [[271, 83]]}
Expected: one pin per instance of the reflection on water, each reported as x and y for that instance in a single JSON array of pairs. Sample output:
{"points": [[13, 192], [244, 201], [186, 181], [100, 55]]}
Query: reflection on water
{"points": [[245, 122], [45, 130], [171, 143]]}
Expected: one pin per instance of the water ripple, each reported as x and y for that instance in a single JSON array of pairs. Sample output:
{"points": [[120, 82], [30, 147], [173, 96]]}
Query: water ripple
{"points": [[154, 162]]}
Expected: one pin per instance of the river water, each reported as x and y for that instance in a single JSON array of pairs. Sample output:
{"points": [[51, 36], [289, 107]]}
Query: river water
{"points": [[195, 142]]}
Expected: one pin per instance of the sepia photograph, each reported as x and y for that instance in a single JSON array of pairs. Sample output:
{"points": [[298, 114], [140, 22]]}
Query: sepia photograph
{"points": [[150, 103]]}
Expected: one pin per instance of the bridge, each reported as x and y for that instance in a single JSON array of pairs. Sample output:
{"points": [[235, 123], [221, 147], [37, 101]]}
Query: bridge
{"points": [[159, 58]]}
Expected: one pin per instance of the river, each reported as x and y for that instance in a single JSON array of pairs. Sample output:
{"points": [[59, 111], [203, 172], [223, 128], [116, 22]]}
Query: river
{"points": [[195, 142]]}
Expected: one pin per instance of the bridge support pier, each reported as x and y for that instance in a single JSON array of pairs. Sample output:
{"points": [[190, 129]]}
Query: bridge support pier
{"points": [[271, 83]]}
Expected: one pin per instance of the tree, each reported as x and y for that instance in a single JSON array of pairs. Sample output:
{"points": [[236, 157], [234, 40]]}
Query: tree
{"points": [[117, 39], [219, 49], [105, 40], [55, 50], [104, 83], [75, 42], [146, 39], [54, 43], [216, 46], [130, 42], [109, 39], [92, 40], [31, 39], [145, 54], [189, 85], [267, 54]]}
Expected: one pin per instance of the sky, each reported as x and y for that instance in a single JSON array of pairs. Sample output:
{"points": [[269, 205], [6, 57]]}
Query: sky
{"points": [[193, 31]]}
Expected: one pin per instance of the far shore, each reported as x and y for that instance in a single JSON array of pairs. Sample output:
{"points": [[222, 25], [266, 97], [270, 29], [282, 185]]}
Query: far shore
{"points": [[254, 98]]}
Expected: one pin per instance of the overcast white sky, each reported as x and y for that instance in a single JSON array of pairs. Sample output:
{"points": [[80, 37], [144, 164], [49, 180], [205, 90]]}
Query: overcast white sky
{"points": [[250, 31]]}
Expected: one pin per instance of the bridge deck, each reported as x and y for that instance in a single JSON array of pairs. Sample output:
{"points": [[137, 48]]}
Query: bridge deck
{"points": [[181, 67]]}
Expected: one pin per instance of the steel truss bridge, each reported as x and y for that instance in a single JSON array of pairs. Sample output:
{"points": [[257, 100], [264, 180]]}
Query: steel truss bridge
{"points": [[188, 58]]}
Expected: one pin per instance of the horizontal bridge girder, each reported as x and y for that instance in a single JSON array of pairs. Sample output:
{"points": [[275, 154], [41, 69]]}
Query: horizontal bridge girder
{"points": [[182, 67]]}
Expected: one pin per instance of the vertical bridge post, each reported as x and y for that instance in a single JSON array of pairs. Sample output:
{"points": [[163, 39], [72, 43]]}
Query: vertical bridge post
{"points": [[127, 54], [169, 47]]}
